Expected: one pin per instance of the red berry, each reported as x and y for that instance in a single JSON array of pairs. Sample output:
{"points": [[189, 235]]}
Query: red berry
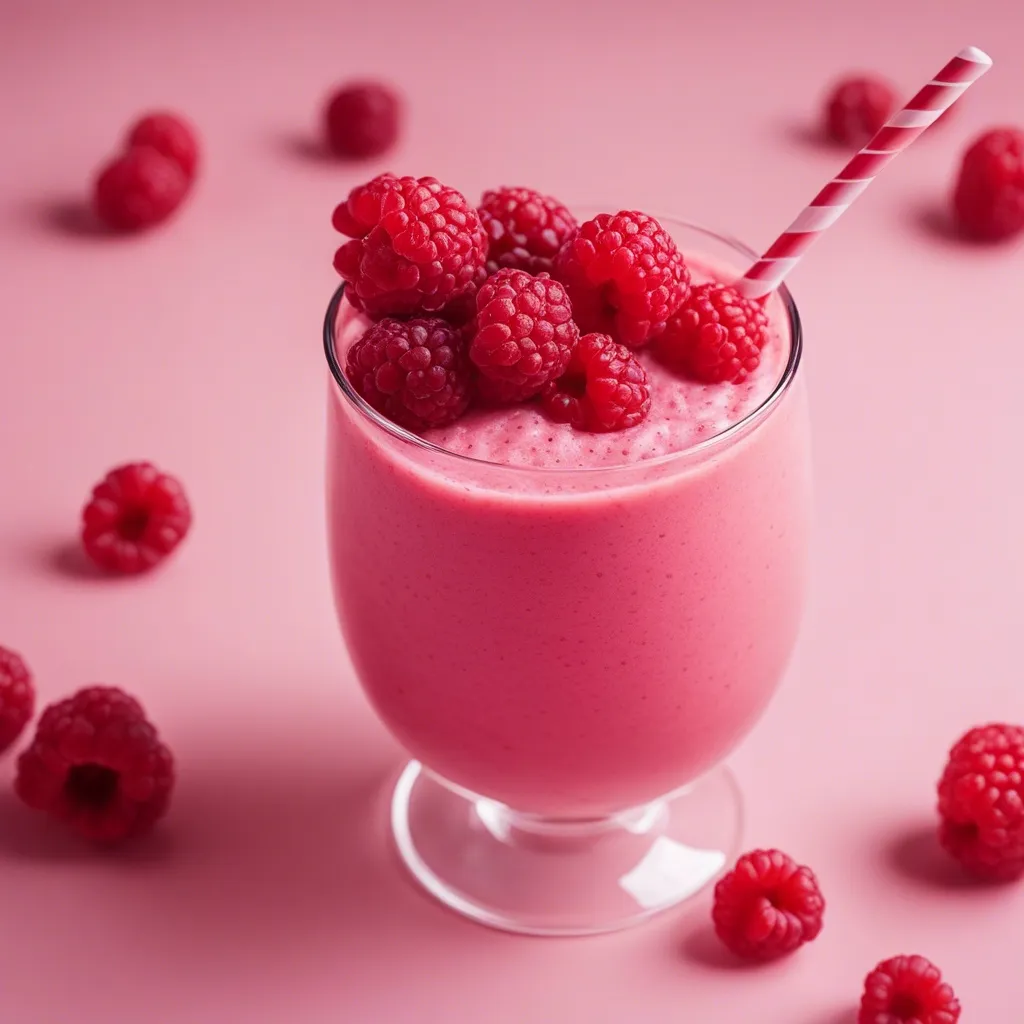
{"points": [[717, 336], [171, 136], [857, 107], [981, 802], [416, 245], [361, 119], [138, 189], [135, 518], [907, 990], [97, 764], [767, 906], [989, 196], [415, 372], [624, 275], [17, 697], [605, 388], [525, 229], [491, 391]]}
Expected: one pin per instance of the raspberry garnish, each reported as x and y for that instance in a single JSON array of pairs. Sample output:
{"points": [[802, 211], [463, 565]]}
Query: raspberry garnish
{"points": [[605, 387], [416, 245], [525, 229], [907, 990], [767, 906], [857, 107], [361, 119], [989, 196], [135, 518], [624, 275], [171, 136], [717, 336], [415, 372], [17, 697], [138, 189], [981, 802], [97, 764]]}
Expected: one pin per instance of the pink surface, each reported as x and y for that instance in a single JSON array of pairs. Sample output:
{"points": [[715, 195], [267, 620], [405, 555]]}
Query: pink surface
{"points": [[270, 895]]}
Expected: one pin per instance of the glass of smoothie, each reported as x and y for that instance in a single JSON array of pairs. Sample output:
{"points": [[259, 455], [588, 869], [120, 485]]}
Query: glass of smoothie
{"points": [[569, 631]]}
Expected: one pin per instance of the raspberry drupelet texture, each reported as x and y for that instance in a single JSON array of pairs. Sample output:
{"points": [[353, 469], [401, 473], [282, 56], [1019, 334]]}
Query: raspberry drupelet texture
{"points": [[362, 119], [97, 764], [171, 136], [415, 372], [907, 990], [135, 518], [981, 802], [856, 107], [525, 229], [138, 189], [416, 245], [524, 331], [717, 336], [624, 275], [988, 199], [767, 906], [604, 388], [17, 697]]}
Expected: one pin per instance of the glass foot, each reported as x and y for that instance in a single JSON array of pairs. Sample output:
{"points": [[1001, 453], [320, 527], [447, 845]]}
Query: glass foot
{"points": [[543, 876]]}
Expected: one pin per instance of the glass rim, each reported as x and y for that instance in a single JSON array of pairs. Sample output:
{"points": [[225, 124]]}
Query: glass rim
{"points": [[722, 439]]}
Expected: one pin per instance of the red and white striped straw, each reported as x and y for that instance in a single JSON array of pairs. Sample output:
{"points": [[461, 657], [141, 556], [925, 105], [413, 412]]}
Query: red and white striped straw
{"points": [[833, 200]]}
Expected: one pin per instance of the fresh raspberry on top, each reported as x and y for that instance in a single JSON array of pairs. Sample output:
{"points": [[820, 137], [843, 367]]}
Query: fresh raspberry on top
{"points": [[856, 107], [625, 276], [415, 372], [605, 388], [525, 229], [416, 245], [907, 990], [361, 119], [717, 336], [135, 518], [97, 764], [171, 136], [525, 333], [981, 802], [767, 906], [17, 697], [989, 196], [138, 189]]}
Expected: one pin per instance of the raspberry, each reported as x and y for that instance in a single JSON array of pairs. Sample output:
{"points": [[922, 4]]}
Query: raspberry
{"points": [[416, 245], [767, 906], [525, 229], [361, 119], [138, 189], [415, 372], [135, 518], [907, 990], [981, 802], [857, 107], [624, 275], [717, 336], [17, 697], [491, 391], [605, 388], [171, 136], [989, 196], [97, 763]]}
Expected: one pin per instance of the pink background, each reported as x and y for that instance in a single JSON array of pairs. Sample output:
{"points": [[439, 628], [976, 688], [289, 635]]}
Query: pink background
{"points": [[270, 895]]}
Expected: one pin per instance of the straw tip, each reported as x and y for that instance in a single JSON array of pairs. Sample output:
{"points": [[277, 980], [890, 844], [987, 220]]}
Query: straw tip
{"points": [[972, 53]]}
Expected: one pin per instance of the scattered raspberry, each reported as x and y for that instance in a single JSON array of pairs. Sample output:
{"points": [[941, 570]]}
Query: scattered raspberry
{"points": [[857, 107], [525, 229], [138, 189], [17, 697], [767, 906], [415, 372], [416, 245], [171, 136], [624, 275], [989, 196], [97, 763], [907, 990], [361, 119], [717, 336], [981, 802], [135, 518], [491, 391], [605, 388]]}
